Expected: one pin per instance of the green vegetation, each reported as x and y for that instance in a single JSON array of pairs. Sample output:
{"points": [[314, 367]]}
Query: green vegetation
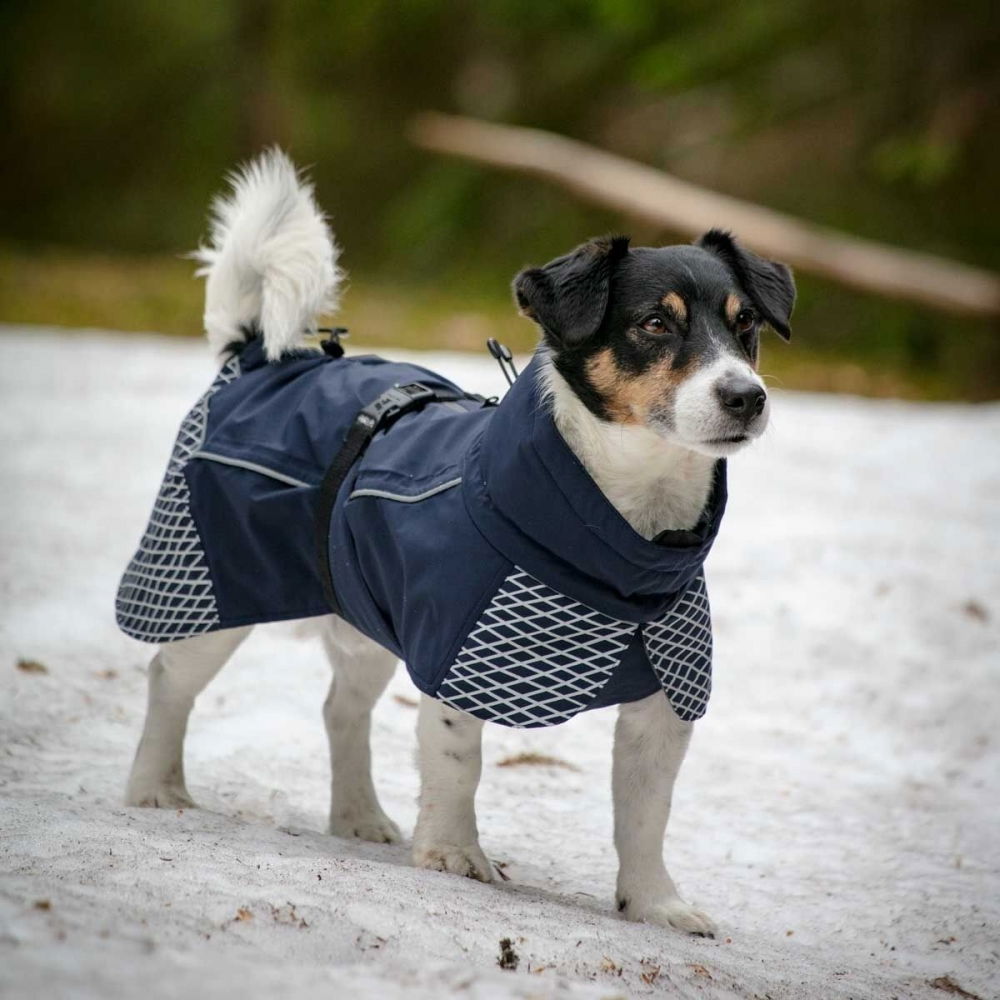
{"points": [[880, 117]]}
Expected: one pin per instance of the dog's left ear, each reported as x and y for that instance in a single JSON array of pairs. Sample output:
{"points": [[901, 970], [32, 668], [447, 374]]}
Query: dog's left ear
{"points": [[569, 296], [768, 283]]}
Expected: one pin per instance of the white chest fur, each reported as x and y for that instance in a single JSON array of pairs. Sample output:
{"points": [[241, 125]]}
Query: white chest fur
{"points": [[654, 484]]}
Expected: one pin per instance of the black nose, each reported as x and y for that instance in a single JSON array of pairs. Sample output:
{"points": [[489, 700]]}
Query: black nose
{"points": [[741, 398]]}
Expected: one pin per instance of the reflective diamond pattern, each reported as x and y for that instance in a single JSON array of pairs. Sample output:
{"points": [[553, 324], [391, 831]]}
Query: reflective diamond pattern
{"points": [[166, 592], [535, 658], [679, 647]]}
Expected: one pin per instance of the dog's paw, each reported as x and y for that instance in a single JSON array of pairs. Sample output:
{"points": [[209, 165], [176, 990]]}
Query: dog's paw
{"points": [[376, 827], [159, 797], [674, 913], [468, 860]]}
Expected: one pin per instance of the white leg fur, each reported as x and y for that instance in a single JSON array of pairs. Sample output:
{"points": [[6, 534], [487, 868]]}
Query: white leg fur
{"points": [[177, 675], [450, 751], [362, 669], [650, 743]]}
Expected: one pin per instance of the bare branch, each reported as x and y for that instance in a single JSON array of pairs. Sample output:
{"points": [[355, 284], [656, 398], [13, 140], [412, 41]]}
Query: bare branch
{"points": [[685, 208]]}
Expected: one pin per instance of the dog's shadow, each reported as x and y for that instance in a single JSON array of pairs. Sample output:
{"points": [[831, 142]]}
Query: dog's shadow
{"points": [[299, 836]]}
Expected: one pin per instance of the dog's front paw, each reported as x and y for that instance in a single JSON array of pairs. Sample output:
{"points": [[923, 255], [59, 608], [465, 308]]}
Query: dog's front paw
{"points": [[158, 796], [467, 860], [671, 912], [376, 827]]}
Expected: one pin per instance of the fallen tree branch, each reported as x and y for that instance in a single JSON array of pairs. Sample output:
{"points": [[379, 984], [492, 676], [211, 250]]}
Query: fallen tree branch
{"points": [[685, 208]]}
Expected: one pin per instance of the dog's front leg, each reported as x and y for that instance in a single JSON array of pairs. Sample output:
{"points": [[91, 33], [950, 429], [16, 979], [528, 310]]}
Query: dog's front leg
{"points": [[650, 743], [446, 838]]}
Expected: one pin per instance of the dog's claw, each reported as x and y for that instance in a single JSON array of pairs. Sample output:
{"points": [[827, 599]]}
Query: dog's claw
{"points": [[468, 861], [378, 829], [166, 797], [674, 913]]}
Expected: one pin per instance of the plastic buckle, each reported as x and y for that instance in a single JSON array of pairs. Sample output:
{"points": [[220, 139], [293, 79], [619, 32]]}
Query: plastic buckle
{"points": [[394, 402], [332, 346]]}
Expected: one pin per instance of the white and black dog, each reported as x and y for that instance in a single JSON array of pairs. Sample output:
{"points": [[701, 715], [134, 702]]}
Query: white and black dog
{"points": [[645, 377]]}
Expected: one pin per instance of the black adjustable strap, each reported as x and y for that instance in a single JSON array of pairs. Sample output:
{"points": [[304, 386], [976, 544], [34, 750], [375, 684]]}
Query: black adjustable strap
{"points": [[378, 415]]}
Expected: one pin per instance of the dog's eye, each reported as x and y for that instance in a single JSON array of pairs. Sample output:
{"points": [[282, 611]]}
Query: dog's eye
{"points": [[653, 324], [745, 320]]}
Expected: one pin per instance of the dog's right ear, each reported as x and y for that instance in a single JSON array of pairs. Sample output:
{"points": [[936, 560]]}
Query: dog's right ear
{"points": [[569, 296]]}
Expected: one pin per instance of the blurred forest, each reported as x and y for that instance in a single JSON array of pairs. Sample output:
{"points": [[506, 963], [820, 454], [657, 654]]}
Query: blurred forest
{"points": [[880, 117]]}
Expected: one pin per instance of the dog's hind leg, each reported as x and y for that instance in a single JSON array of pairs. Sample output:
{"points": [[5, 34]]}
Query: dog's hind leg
{"points": [[650, 743], [362, 669], [177, 675], [451, 759]]}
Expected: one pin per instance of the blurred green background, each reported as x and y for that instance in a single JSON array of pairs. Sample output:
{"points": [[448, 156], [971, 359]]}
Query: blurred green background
{"points": [[879, 117]]}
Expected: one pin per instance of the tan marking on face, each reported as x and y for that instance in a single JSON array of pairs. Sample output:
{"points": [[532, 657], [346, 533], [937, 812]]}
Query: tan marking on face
{"points": [[733, 306], [676, 305], [609, 381], [632, 399]]}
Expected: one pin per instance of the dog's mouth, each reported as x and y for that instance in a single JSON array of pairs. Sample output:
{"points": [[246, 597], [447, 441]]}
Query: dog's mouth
{"points": [[724, 445], [727, 440]]}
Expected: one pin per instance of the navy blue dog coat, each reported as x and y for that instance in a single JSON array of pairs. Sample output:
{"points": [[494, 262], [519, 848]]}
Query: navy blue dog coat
{"points": [[468, 539]]}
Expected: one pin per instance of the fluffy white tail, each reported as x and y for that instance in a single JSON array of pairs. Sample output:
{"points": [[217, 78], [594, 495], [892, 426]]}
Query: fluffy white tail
{"points": [[271, 263]]}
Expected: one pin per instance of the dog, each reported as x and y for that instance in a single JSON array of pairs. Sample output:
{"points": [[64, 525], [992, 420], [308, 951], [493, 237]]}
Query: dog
{"points": [[527, 560]]}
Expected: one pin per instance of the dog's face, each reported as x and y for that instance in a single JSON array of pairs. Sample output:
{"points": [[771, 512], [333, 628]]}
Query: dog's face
{"points": [[663, 338]]}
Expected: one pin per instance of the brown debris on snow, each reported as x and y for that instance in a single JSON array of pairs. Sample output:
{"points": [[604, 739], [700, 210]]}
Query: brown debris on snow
{"points": [[508, 958], [32, 667], [973, 609], [948, 985], [650, 970], [535, 760]]}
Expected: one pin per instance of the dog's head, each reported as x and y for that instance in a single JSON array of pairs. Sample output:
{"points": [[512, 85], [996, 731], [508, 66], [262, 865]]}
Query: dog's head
{"points": [[664, 338]]}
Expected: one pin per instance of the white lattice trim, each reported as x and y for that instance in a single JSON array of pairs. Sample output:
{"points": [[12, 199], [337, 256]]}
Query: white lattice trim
{"points": [[535, 658], [166, 592], [679, 647]]}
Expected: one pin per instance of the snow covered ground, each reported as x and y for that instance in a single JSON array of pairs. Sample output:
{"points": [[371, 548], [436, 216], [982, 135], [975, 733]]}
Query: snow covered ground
{"points": [[838, 815]]}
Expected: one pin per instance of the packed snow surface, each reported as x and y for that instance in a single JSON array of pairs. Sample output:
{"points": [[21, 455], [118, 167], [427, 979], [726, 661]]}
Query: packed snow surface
{"points": [[838, 814]]}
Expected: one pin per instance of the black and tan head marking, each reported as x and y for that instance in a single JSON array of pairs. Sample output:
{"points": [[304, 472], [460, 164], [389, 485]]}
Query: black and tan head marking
{"points": [[674, 303], [734, 304], [630, 397], [635, 332]]}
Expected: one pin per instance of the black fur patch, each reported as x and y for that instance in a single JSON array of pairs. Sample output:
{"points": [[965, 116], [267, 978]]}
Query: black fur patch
{"points": [[568, 297]]}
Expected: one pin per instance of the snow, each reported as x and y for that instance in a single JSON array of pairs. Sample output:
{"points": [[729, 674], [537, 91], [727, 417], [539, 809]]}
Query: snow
{"points": [[837, 814]]}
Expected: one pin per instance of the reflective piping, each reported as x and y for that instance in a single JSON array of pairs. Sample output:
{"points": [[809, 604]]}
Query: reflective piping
{"points": [[402, 497], [240, 463]]}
